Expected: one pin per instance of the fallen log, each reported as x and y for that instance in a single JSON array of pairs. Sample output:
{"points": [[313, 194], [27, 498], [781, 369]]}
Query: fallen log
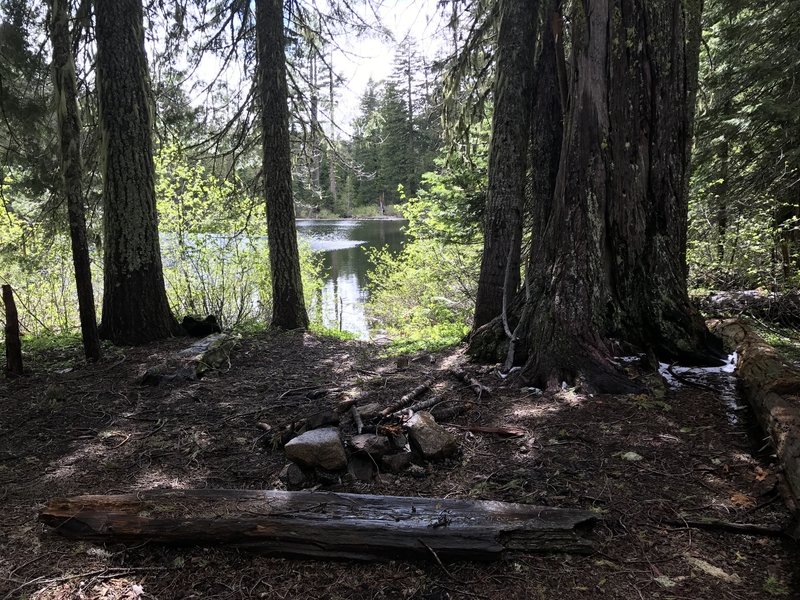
{"points": [[774, 307], [190, 364], [772, 387], [322, 524]]}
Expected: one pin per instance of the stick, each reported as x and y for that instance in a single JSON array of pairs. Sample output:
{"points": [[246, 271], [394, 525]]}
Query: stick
{"points": [[423, 404], [476, 385], [407, 399], [728, 527], [13, 344], [357, 419]]}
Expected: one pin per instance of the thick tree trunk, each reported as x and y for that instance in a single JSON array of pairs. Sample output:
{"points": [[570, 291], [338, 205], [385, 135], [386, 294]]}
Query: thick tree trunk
{"points": [[69, 127], [612, 264], [323, 524], [135, 307], [500, 262], [288, 306]]}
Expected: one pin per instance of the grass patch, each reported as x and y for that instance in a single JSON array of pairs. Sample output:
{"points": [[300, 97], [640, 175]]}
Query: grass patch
{"points": [[428, 339]]}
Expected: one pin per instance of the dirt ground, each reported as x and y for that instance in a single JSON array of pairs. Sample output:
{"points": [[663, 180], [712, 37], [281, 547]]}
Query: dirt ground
{"points": [[645, 466]]}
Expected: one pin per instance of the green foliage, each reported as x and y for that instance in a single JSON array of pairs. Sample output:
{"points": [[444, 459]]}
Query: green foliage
{"points": [[775, 587], [744, 209], [424, 296], [216, 259], [214, 253]]}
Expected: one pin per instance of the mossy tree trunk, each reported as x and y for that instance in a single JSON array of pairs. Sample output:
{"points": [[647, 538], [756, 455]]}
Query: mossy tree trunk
{"points": [[288, 306], [135, 306], [69, 128], [610, 263], [500, 262]]}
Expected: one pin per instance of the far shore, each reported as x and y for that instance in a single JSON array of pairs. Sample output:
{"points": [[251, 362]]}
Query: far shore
{"points": [[383, 218]]}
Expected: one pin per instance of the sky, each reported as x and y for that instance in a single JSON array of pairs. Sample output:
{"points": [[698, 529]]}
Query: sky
{"points": [[372, 57]]}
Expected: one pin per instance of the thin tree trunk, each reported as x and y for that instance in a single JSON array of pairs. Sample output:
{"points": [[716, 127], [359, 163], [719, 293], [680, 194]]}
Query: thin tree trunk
{"points": [[69, 127], [288, 305], [13, 343], [507, 159], [135, 306], [331, 153]]}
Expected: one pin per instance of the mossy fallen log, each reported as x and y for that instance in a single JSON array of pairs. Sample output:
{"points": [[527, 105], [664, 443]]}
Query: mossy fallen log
{"points": [[322, 524], [772, 387]]}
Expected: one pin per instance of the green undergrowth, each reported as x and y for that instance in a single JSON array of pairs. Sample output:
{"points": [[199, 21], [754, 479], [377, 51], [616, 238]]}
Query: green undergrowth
{"points": [[432, 338], [785, 340]]}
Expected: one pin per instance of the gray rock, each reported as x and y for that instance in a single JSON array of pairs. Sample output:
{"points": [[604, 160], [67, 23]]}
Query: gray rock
{"points": [[369, 410], [318, 448], [327, 477], [430, 439], [361, 467], [293, 476], [417, 471], [374, 445], [326, 418], [395, 463], [398, 441]]}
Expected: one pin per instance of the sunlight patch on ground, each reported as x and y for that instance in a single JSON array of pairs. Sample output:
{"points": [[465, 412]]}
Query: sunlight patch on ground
{"points": [[71, 464], [157, 479]]}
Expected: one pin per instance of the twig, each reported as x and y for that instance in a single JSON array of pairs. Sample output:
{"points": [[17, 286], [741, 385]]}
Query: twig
{"points": [[116, 573], [728, 527], [407, 399], [688, 381], [473, 383], [437, 559]]}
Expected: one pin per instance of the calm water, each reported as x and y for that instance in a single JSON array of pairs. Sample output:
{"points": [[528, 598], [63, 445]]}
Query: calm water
{"points": [[343, 244]]}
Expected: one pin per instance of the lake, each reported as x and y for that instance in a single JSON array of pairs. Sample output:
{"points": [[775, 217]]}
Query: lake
{"points": [[343, 245]]}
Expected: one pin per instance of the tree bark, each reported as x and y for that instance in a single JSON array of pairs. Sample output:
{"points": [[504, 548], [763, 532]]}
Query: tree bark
{"points": [[323, 524], [135, 306], [288, 305], [611, 263], [69, 127], [507, 159], [490, 342], [13, 343]]}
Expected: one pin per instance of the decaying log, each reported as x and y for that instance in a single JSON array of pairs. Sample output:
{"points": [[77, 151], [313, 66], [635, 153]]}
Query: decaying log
{"points": [[773, 307], [772, 387], [322, 524], [407, 399], [13, 343], [211, 352], [473, 383]]}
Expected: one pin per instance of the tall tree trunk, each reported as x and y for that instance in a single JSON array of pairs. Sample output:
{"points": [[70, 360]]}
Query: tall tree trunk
{"points": [[316, 152], [135, 306], [500, 262], [331, 152], [288, 306], [69, 127], [613, 263]]}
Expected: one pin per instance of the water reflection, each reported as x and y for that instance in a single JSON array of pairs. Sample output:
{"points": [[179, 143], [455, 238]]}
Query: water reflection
{"points": [[343, 244]]}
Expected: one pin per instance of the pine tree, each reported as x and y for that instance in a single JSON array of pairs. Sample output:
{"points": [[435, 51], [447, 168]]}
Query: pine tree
{"points": [[135, 307]]}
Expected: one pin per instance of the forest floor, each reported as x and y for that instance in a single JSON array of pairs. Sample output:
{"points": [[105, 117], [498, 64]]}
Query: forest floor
{"points": [[69, 428]]}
